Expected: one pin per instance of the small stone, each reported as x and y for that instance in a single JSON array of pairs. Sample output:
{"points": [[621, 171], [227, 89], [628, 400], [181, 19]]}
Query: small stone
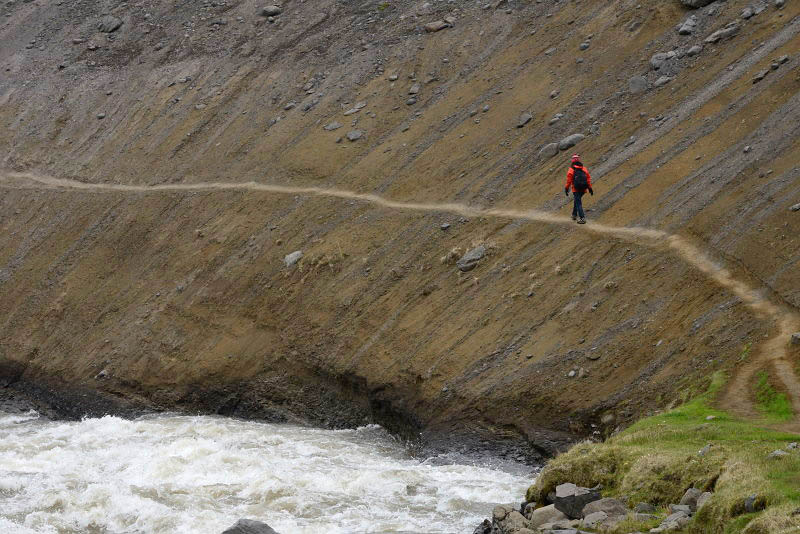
{"points": [[690, 498], [792, 446], [703, 499], [444, 226], [662, 81], [393, 77], [747, 149], [584, 45], [644, 508], [436, 26], [796, 341], [554, 93], [294, 257], [689, 25], [332, 126], [101, 115], [779, 3], [109, 24], [777, 454], [760, 75], [705, 450], [637, 84], [710, 417], [414, 89], [524, 119], [354, 135], [572, 373], [693, 51], [289, 106], [570, 141], [411, 101], [473, 112], [468, 261], [485, 108], [747, 13]]}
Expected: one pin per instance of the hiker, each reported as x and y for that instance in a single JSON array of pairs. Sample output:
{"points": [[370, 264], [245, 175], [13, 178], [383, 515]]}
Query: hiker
{"points": [[578, 177]]}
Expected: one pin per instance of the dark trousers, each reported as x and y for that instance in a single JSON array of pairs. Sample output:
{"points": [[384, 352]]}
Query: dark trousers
{"points": [[577, 207]]}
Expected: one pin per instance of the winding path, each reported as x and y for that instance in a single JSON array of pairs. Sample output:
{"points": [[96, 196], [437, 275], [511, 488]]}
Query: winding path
{"points": [[735, 398]]}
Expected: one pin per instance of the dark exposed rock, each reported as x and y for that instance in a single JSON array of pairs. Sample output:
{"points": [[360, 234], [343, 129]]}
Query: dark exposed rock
{"points": [[571, 499], [469, 260], [249, 526]]}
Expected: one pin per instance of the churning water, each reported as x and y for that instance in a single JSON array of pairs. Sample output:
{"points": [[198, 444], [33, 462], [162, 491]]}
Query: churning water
{"points": [[181, 474]]}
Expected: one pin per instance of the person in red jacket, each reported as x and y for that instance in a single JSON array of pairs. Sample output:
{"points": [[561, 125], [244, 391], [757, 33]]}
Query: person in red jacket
{"points": [[578, 177]]}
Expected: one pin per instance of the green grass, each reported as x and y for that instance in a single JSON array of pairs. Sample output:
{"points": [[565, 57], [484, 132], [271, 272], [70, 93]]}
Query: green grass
{"points": [[656, 460], [775, 406]]}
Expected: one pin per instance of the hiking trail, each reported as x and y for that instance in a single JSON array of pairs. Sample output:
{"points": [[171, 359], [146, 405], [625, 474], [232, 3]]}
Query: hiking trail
{"points": [[735, 397]]}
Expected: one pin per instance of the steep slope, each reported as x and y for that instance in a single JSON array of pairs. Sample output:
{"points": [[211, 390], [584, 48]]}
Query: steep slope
{"points": [[182, 298]]}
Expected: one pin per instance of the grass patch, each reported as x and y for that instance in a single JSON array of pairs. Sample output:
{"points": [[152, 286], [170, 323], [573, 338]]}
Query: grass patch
{"points": [[775, 406], [657, 459]]}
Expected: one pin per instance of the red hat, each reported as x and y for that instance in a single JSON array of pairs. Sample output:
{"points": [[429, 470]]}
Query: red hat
{"points": [[575, 158]]}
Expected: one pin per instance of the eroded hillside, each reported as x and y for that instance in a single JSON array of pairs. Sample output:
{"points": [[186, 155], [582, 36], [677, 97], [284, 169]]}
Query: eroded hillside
{"points": [[183, 298]]}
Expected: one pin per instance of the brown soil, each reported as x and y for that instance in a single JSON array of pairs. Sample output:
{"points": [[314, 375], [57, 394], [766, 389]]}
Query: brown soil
{"points": [[181, 297]]}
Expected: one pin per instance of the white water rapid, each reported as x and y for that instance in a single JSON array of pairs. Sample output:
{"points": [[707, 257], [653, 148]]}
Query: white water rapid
{"points": [[183, 474]]}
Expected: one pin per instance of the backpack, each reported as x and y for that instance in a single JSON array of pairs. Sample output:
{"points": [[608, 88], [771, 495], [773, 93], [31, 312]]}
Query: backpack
{"points": [[579, 181]]}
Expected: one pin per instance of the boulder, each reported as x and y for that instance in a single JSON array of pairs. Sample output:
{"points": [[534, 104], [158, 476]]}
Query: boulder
{"points": [[469, 260], [690, 498], [514, 522], [644, 508], [571, 499], [546, 514], [550, 150], [249, 526], [570, 141], [610, 506], [271, 11], [109, 24], [637, 84], [594, 519], [294, 257]]}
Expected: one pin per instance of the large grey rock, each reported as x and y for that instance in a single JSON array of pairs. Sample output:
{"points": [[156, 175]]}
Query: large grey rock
{"points": [[680, 508], [469, 260], [571, 499], [644, 508], [674, 521], [550, 150], [694, 4], [690, 498], [637, 84], [249, 526], [570, 141], [546, 514], [294, 257], [594, 519], [513, 522], [610, 506], [109, 24]]}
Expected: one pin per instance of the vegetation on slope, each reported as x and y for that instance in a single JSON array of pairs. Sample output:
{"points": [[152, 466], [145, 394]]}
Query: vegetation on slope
{"points": [[657, 459]]}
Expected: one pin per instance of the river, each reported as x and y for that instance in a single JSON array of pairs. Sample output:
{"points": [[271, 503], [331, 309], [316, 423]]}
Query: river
{"points": [[199, 474]]}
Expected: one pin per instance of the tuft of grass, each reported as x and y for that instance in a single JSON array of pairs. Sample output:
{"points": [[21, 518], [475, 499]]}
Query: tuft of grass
{"points": [[775, 406], [656, 460]]}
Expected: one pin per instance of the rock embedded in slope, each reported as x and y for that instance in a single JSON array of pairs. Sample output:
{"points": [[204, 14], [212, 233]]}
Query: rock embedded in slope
{"points": [[469, 260], [109, 24], [760, 75], [728, 31], [702, 500], [693, 51], [524, 119], [690, 498], [611, 507], [332, 126], [294, 257], [796, 335], [414, 89], [436, 26], [546, 514], [271, 11], [637, 84], [549, 150], [694, 4], [570, 141], [249, 526], [354, 135], [796, 207], [662, 81], [688, 26]]}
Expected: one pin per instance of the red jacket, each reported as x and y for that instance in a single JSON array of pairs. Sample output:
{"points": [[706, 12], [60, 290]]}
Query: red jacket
{"points": [[571, 173]]}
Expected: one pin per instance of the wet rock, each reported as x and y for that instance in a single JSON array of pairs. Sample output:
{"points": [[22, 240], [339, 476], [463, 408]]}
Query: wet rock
{"points": [[294, 257], [524, 119], [637, 84], [570, 141], [689, 25], [693, 51], [354, 135], [109, 24], [469, 260], [545, 515], [289, 106], [436, 26], [571, 499], [484, 528], [271, 11], [332, 126], [549, 150], [728, 31], [249, 526], [611, 507], [690, 498]]}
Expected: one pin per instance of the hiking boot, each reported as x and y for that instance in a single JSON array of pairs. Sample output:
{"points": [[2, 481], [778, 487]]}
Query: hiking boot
{"points": [[581, 221]]}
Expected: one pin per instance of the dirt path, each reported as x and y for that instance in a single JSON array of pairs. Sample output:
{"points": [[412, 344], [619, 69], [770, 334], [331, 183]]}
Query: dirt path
{"points": [[735, 398]]}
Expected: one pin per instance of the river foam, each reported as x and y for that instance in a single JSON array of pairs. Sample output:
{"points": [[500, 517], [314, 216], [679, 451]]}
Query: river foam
{"points": [[183, 474]]}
